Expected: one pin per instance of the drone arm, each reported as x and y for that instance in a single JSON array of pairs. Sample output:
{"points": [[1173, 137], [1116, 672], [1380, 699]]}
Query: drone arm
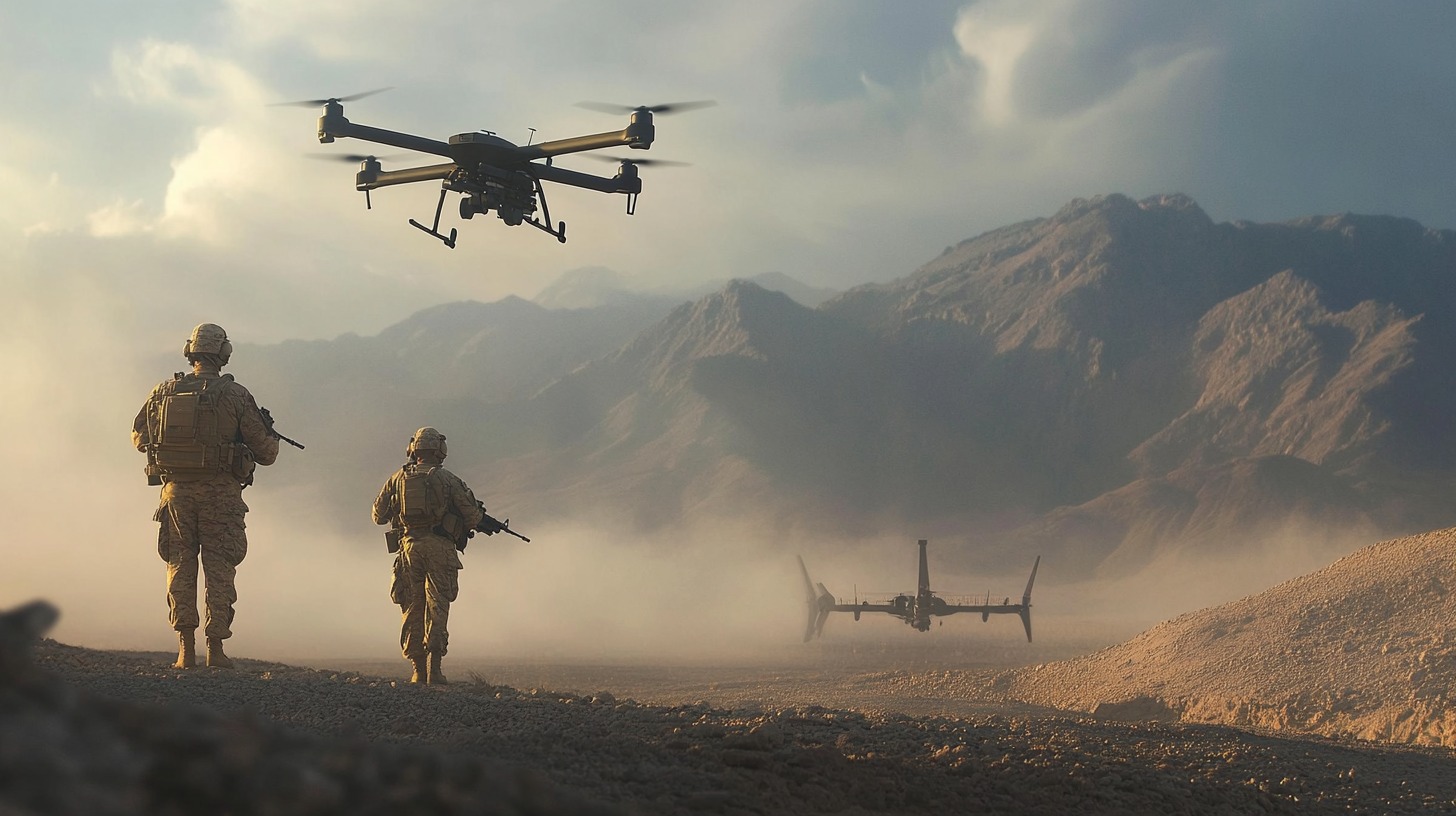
{"points": [[331, 128], [388, 178], [586, 180], [617, 138]]}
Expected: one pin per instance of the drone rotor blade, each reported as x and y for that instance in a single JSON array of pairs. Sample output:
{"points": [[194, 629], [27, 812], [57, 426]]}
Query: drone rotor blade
{"points": [[350, 158], [313, 103], [638, 162], [605, 107], [670, 107], [682, 107]]}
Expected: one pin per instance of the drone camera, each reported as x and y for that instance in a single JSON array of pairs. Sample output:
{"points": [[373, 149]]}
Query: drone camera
{"points": [[470, 205]]}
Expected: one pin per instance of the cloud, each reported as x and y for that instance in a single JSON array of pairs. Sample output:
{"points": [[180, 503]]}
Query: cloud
{"points": [[151, 187], [118, 219], [843, 149]]}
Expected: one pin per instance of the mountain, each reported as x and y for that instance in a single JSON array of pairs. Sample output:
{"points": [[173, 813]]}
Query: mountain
{"points": [[468, 367], [593, 286], [801, 293], [1136, 346], [1120, 380]]}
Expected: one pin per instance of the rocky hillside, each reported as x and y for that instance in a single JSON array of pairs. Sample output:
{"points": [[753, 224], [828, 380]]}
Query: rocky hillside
{"points": [[1118, 380], [1140, 345], [1363, 648]]}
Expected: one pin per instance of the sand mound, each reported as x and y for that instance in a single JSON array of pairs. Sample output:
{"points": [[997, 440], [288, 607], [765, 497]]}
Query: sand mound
{"points": [[1364, 648]]}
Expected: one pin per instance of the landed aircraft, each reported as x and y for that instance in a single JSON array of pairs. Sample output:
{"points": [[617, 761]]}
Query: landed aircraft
{"points": [[915, 610]]}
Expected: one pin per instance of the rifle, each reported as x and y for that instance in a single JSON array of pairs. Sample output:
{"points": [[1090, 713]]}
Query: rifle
{"points": [[273, 432], [490, 525]]}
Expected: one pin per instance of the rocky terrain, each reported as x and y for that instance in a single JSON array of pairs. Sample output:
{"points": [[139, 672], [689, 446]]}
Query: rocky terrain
{"points": [[91, 732]]}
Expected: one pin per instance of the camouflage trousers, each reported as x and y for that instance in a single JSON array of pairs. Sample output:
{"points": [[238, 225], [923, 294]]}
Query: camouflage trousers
{"points": [[426, 582], [202, 522]]}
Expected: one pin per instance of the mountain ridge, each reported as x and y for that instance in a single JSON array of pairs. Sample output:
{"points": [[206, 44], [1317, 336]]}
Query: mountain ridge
{"points": [[1126, 371]]}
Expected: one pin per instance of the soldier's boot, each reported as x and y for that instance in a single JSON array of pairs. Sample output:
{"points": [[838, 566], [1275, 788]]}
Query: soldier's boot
{"points": [[186, 650], [437, 677], [420, 674], [215, 657]]}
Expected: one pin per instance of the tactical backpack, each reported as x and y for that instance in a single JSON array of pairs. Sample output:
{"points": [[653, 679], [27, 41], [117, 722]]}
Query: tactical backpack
{"points": [[422, 502], [187, 442]]}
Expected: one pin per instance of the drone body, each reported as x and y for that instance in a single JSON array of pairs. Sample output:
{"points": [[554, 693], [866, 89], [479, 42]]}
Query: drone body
{"points": [[492, 174]]}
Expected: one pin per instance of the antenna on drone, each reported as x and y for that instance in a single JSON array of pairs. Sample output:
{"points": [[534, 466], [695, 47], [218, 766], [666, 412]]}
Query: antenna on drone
{"points": [[532, 137]]}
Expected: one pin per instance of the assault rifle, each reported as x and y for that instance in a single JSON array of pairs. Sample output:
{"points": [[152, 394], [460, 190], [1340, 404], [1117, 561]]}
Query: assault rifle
{"points": [[268, 423], [490, 525]]}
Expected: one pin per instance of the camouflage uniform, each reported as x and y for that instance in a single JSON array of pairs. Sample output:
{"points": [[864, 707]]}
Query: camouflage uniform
{"points": [[427, 567], [202, 509]]}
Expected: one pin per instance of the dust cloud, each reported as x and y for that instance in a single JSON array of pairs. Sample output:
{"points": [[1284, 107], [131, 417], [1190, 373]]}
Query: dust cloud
{"points": [[571, 594], [307, 593], [81, 536], [79, 533], [1212, 573]]}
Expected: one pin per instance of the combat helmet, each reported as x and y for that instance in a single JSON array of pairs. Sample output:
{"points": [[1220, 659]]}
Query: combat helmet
{"points": [[426, 439], [208, 338]]}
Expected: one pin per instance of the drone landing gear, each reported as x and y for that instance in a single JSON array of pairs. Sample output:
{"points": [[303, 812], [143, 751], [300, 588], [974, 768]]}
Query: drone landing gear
{"points": [[435, 229], [632, 203], [560, 230]]}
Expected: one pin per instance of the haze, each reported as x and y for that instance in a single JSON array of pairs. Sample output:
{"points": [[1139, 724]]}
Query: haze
{"points": [[148, 186]]}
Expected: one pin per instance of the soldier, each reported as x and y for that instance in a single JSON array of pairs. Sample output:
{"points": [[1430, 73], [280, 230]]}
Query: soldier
{"points": [[203, 435], [433, 513]]}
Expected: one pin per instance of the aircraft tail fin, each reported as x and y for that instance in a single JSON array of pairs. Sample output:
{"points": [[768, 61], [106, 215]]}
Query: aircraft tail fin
{"points": [[1025, 611], [818, 600], [924, 586]]}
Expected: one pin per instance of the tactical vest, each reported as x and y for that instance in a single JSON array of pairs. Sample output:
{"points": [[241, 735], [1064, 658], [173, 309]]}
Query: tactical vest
{"points": [[187, 442], [422, 501]]}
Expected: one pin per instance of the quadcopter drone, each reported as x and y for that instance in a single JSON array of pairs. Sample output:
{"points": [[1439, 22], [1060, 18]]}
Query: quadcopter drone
{"points": [[491, 173]]}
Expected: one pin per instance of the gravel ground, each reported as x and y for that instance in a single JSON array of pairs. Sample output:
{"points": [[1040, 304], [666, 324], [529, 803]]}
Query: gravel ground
{"points": [[91, 732]]}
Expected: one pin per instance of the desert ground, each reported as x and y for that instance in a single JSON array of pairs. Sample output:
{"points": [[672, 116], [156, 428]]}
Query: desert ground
{"points": [[1328, 693], [97, 732]]}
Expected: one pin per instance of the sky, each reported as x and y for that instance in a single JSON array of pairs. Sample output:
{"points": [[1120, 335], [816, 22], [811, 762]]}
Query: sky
{"points": [[150, 182]]}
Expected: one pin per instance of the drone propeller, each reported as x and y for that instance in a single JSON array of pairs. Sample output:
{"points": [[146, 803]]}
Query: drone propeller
{"points": [[670, 107], [371, 168], [638, 162], [313, 103], [351, 158]]}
